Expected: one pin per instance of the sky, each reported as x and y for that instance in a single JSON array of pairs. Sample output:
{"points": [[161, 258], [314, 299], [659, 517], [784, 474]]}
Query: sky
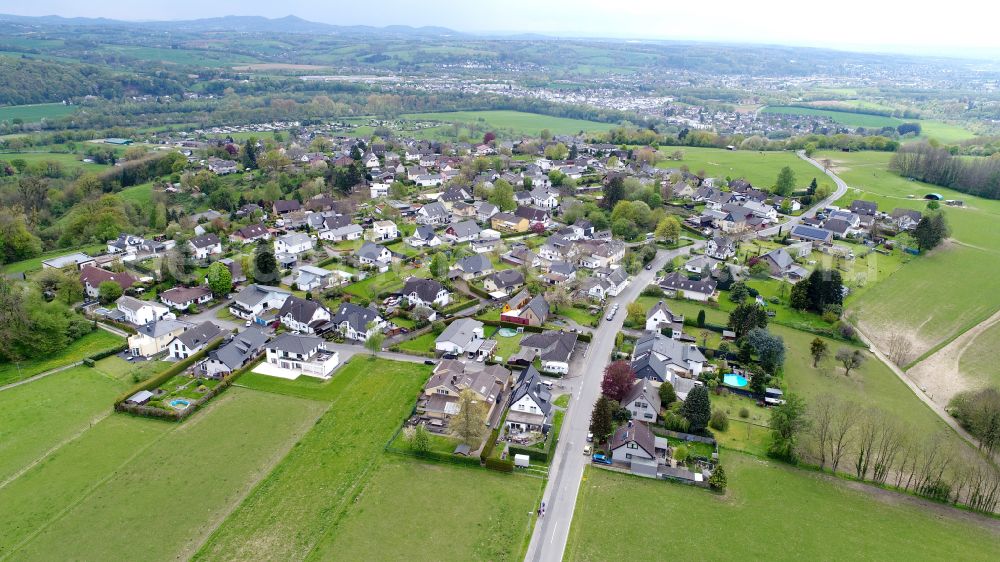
{"points": [[957, 27]]}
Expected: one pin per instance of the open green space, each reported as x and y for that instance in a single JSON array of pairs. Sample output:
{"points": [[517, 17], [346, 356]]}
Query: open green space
{"points": [[32, 264], [809, 516], [180, 480], [759, 168], [38, 416], [506, 346], [420, 344], [293, 508], [35, 112], [978, 361], [94, 342], [419, 511], [518, 122], [141, 194], [68, 160], [944, 132]]}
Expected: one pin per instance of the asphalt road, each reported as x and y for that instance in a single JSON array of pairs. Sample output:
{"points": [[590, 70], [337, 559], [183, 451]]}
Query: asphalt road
{"points": [[551, 531], [811, 212]]}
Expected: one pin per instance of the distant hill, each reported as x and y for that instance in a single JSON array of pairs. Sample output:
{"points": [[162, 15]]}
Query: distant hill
{"points": [[287, 24]]}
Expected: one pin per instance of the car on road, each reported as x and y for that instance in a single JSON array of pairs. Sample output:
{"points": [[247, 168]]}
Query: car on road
{"points": [[649, 266], [600, 459], [587, 449], [247, 323], [590, 437], [429, 362]]}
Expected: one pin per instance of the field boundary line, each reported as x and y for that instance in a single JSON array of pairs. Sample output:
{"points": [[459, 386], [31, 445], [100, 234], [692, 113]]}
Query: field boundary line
{"points": [[41, 375]]}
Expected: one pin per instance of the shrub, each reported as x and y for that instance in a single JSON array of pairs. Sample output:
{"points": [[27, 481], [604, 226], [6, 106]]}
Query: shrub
{"points": [[676, 422], [88, 362], [829, 317], [681, 453], [846, 331], [719, 421], [718, 479], [744, 412], [500, 465]]}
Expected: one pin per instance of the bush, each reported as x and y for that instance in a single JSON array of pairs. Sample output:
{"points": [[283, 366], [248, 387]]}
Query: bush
{"points": [[719, 421], [718, 479], [500, 465], [676, 422], [829, 317], [652, 291], [744, 413], [681, 453], [537, 455], [88, 362]]}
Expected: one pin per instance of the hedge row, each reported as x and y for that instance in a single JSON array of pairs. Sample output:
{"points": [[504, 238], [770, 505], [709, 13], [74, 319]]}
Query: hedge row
{"points": [[175, 369], [499, 465], [458, 306], [109, 352], [502, 324], [537, 455], [125, 327], [480, 292]]}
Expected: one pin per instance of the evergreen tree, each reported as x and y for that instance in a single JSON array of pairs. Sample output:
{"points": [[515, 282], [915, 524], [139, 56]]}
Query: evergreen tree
{"points": [[697, 408], [746, 317], [601, 419], [813, 186], [249, 154], [614, 192], [220, 279], [265, 266]]}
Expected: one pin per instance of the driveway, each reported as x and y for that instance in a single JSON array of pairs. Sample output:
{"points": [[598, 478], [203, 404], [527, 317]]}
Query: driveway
{"points": [[551, 532], [208, 315]]}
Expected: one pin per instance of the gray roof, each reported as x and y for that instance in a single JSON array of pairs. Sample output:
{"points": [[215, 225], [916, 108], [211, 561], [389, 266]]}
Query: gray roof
{"points": [[551, 345], [636, 432], [435, 209], [205, 241], [529, 383], [295, 238], [426, 289], [200, 335], [671, 349], [810, 233], [780, 258], [253, 294], [302, 310], [370, 250], [643, 388], [465, 229], [507, 278], [540, 307], [158, 328], [460, 331], [649, 366], [242, 347], [133, 303], [424, 232], [477, 263], [677, 281], [356, 316], [291, 343]]}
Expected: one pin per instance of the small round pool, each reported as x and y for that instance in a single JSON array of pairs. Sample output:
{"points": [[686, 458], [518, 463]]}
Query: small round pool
{"points": [[733, 379], [506, 332], [179, 403]]}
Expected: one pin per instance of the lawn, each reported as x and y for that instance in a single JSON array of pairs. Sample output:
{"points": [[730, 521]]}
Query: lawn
{"points": [[179, 479], [518, 122], [67, 160], [94, 342], [579, 315], [420, 344], [416, 511], [759, 168], [36, 417], [128, 372], [506, 347], [292, 510], [35, 112], [809, 516], [32, 264], [383, 282]]}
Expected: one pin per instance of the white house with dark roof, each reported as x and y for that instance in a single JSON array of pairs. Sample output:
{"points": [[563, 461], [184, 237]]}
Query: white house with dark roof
{"points": [[678, 285], [194, 340], [356, 322], [424, 235], [433, 214], [138, 312], [293, 244], [660, 316], [181, 298], [460, 336], [675, 355], [554, 349], [721, 248], [254, 300], [290, 356], [426, 292], [303, 315], [530, 403], [374, 254], [464, 231], [643, 401], [235, 354], [205, 246]]}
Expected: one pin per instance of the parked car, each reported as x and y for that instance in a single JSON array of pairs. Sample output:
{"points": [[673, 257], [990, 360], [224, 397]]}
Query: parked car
{"points": [[247, 323], [428, 362], [649, 266], [600, 459], [587, 449], [590, 437]]}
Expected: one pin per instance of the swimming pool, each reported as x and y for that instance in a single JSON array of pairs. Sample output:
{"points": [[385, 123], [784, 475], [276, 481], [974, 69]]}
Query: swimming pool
{"points": [[179, 403], [506, 332], [733, 379]]}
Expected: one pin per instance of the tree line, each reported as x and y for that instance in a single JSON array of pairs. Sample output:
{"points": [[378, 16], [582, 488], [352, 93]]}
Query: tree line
{"points": [[938, 166]]}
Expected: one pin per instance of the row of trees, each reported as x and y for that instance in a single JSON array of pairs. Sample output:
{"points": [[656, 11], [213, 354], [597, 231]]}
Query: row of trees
{"points": [[926, 162]]}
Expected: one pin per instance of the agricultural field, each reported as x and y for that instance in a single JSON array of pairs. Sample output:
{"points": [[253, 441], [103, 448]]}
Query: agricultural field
{"points": [[492, 520], [977, 361], [68, 160], [519, 123], [291, 510], [944, 132], [36, 112], [152, 474], [810, 516], [90, 344], [759, 168]]}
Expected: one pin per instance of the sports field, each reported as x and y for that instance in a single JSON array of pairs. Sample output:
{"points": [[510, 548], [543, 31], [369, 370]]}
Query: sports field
{"points": [[759, 168], [769, 511], [517, 122], [35, 112]]}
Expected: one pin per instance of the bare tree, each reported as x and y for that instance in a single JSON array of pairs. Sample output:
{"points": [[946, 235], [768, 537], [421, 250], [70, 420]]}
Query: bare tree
{"points": [[890, 440], [868, 430], [822, 414], [850, 359], [898, 348], [842, 431]]}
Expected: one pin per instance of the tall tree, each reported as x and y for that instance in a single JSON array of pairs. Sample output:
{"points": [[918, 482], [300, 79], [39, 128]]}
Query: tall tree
{"points": [[248, 155], [614, 191], [469, 424], [374, 342], [850, 359], [746, 317], [785, 183], [769, 348], [265, 265], [601, 419], [618, 380], [787, 422], [697, 408], [502, 196], [818, 349], [220, 279]]}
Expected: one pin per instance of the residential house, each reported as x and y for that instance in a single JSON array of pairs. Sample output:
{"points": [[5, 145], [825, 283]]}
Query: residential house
{"points": [[205, 246], [535, 217], [464, 231], [471, 267], [595, 254], [356, 322], [251, 233], [77, 260], [337, 228], [384, 230], [810, 234], [181, 298], [861, 207], [440, 398], [235, 354], [555, 349], [126, 246], [504, 281], [721, 248], [222, 167], [634, 444], [425, 292], [283, 207], [595, 288], [460, 337], [643, 401], [138, 313], [660, 316], [424, 235], [91, 277], [235, 270], [433, 214], [677, 356], [194, 340], [293, 244], [303, 315], [254, 300], [534, 313], [290, 355], [309, 277], [484, 245], [374, 254], [485, 211], [617, 279], [154, 337], [906, 219], [507, 222], [781, 264], [530, 404], [679, 286]]}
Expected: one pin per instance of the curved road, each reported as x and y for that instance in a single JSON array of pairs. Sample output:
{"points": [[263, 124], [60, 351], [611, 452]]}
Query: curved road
{"points": [[811, 212]]}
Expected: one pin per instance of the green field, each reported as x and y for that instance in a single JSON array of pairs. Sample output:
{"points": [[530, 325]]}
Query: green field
{"points": [[759, 168], [68, 160], [94, 342], [140, 194], [36, 112], [297, 505], [422, 344], [102, 494], [32, 264], [977, 361], [415, 511], [808, 517], [39, 416], [939, 130], [518, 122]]}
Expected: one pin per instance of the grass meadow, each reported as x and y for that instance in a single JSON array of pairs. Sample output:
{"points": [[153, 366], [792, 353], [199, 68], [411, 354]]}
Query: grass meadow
{"points": [[518, 122], [35, 112], [978, 360], [939, 130], [94, 342], [759, 168], [808, 516]]}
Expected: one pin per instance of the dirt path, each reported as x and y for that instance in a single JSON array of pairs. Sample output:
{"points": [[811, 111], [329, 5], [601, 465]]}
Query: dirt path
{"points": [[41, 375], [939, 375]]}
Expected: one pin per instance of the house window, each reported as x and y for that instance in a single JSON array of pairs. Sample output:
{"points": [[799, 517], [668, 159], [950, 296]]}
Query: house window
{"points": [[632, 445], [628, 456]]}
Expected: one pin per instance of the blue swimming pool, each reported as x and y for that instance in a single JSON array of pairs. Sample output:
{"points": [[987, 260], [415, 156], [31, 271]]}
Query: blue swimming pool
{"points": [[733, 379], [179, 403]]}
